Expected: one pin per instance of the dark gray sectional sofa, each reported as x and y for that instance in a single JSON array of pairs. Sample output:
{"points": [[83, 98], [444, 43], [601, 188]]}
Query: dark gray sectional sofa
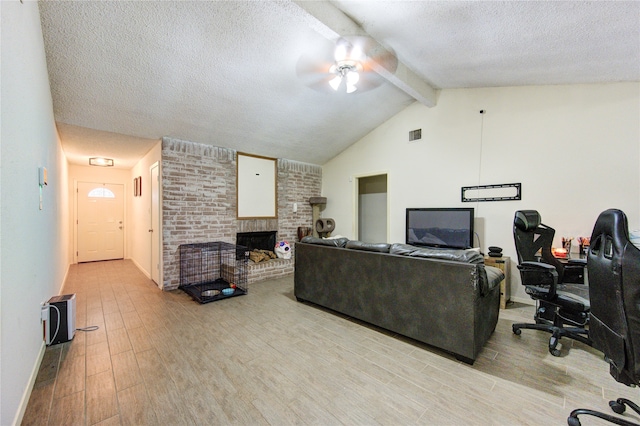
{"points": [[445, 298]]}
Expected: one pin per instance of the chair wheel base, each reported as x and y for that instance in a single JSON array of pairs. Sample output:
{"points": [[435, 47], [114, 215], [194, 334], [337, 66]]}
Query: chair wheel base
{"points": [[573, 421], [557, 332], [618, 406]]}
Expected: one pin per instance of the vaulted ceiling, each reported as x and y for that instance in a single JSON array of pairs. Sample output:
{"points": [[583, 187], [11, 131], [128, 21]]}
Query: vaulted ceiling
{"points": [[125, 73]]}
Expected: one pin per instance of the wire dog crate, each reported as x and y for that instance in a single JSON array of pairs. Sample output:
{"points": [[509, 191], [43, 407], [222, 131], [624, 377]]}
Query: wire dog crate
{"points": [[213, 271]]}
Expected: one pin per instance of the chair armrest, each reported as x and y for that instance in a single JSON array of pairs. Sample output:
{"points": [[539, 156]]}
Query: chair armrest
{"points": [[539, 266], [578, 262], [539, 275]]}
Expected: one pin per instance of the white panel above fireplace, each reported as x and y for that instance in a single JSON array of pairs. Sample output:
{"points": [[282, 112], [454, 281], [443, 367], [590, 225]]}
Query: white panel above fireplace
{"points": [[256, 187]]}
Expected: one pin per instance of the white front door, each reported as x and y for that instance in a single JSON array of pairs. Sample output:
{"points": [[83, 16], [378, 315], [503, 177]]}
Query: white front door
{"points": [[100, 225], [155, 224]]}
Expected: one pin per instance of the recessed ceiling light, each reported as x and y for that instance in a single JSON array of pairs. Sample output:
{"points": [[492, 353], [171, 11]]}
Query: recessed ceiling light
{"points": [[99, 161]]}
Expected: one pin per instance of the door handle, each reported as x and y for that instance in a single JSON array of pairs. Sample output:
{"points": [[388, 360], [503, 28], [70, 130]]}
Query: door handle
{"points": [[120, 226], [150, 230]]}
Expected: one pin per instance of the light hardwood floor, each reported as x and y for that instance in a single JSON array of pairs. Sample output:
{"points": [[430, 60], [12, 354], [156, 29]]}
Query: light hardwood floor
{"points": [[160, 358]]}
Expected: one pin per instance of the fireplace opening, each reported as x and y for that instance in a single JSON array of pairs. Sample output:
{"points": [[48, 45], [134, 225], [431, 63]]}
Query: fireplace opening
{"points": [[263, 240]]}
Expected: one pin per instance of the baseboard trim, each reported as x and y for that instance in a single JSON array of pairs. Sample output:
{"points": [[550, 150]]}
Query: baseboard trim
{"points": [[24, 401], [144, 271]]}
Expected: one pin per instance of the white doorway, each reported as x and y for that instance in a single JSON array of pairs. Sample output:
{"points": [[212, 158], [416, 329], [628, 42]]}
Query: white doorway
{"points": [[372, 208], [99, 221], [155, 231]]}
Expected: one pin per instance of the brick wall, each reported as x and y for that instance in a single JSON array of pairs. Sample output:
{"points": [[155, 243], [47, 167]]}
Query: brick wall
{"points": [[199, 204]]}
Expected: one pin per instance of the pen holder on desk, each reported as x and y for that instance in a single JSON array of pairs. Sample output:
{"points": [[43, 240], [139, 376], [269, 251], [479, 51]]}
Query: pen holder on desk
{"points": [[566, 244]]}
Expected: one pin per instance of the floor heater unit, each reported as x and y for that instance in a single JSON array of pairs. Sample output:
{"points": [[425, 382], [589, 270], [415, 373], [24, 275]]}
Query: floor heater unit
{"points": [[59, 319]]}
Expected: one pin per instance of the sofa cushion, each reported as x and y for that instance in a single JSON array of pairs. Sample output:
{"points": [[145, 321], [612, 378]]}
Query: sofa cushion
{"points": [[332, 242], [361, 245], [467, 256]]}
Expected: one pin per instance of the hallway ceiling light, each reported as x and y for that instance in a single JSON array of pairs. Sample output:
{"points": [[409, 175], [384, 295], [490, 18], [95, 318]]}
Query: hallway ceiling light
{"points": [[100, 161]]}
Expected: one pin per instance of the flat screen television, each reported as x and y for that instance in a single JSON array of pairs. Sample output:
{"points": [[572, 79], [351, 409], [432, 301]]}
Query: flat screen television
{"points": [[440, 227]]}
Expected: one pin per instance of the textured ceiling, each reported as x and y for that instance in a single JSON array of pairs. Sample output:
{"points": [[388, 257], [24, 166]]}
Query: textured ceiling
{"points": [[455, 44], [224, 72]]}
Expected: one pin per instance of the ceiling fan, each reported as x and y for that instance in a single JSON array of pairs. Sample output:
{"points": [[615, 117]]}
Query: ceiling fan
{"points": [[351, 64]]}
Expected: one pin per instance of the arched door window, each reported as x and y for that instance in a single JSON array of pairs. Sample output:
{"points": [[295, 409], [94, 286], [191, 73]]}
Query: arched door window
{"points": [[101, 193]]}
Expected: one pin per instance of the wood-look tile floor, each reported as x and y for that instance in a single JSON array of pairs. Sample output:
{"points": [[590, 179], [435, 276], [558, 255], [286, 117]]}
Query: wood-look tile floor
{"points": [[160, 358]]}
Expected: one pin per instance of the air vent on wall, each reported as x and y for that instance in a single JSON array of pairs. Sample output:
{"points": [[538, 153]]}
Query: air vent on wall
{"points": [[415, 135]]}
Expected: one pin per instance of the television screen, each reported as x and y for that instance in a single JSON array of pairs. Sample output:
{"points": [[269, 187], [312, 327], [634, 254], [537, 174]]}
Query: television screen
{"points": [[440, 227]]}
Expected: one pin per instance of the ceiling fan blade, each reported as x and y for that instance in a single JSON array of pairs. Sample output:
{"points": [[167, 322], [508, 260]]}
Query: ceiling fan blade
{"points": [[313, 67], [369, 81], [374, 53], [313, 73]]}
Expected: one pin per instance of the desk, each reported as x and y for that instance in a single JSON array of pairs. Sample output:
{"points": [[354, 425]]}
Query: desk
{"points": [[504, 264]]}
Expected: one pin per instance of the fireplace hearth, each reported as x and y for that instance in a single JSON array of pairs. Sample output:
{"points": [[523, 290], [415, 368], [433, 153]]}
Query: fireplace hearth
{"points": [[262, 240]]}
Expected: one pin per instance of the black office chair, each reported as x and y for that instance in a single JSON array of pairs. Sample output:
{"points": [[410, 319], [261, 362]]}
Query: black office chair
{"points": [[614, 288], [558, 303], [533, 237]]}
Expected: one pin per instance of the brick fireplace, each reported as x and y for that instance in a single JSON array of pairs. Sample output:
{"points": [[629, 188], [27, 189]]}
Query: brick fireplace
{"points": [[199, 204]]}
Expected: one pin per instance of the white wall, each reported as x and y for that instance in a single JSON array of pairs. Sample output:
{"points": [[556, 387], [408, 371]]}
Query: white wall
{"points": [[575, 149], [34, 244], [140, 212]]}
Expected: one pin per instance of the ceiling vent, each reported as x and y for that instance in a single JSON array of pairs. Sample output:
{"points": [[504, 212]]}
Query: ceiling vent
{"points": [[414, 135]]}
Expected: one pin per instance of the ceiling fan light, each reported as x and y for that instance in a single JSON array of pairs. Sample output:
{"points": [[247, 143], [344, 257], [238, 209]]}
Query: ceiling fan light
{"points": [[351, 88], [353, 77], [340, 52], [335, 82], [356, 54]]}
